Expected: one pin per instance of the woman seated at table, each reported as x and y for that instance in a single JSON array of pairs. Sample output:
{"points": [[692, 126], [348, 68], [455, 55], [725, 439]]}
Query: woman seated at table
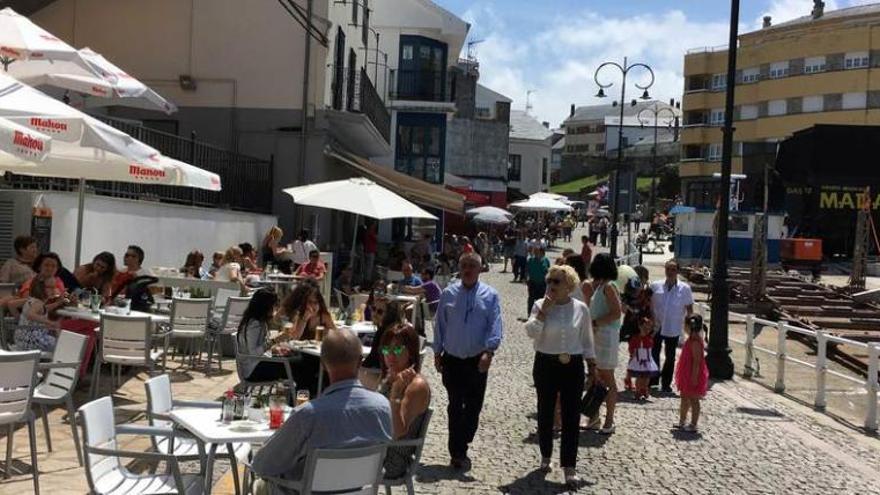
{"points": [[271, 249], [314, 269], [375, 294], [230, 270], [248, 257], [407, 390], [98, 275], [36, 329], [386, 316], [192, 267], [306, 310], [253, 339], [46, 266]]}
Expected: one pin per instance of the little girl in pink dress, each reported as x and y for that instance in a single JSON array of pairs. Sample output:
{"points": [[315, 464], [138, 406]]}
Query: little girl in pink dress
{"points": [[692, 375]]}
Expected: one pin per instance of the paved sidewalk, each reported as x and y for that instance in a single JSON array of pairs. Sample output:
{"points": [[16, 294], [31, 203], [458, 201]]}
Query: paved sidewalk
{"points": [[752, 441]]}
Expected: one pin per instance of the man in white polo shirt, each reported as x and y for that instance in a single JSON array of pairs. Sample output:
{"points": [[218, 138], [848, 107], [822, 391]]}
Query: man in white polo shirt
{"points": [[671, 302]]}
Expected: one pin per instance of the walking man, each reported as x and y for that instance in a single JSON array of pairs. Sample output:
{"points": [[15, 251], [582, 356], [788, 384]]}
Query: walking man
{"points": [[467, 332], [671, 302]]}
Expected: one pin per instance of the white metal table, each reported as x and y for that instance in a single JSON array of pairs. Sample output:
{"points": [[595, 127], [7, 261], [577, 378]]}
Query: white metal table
{"points": [[315, 350], [207, 426], [88, 315]]}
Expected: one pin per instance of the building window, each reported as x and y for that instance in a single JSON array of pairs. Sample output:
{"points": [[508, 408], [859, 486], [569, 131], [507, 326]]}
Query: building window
{"points": [[600, 147], [813, 104], [752, 75], [776, 107], [719, 82], [748, 112], [853, 101], [354, 11], [420, 146], [814, 65], [544, 177], [779, 70], [365, 27], [514, 168], [714, 152], [716, 117], [857, 60]]}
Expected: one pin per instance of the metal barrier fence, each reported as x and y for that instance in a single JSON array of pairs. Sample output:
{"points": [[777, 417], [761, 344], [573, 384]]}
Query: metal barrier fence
{"points": [[246, 181], [821, 365]]}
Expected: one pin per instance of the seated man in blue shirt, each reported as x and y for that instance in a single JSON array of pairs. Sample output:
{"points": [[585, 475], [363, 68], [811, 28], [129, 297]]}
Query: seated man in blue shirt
{"points": [[346, 415], [409, 279]]}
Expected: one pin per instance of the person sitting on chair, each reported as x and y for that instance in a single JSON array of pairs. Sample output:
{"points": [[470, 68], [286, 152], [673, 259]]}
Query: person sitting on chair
{"points": [[346, 415]]}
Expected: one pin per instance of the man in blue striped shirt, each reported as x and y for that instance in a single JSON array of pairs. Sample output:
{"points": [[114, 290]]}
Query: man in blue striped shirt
{"points": [[467, 332]]}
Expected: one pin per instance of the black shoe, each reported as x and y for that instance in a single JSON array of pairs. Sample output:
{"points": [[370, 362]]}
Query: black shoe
{"points": [[461, 463], [666, 390]]}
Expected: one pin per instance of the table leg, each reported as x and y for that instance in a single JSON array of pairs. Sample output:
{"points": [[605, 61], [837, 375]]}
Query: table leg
{"points": [[209, 468], [233, 464]]}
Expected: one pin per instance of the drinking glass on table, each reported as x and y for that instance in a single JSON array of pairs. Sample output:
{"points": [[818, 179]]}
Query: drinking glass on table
{"points": [[319, 333], [276, 411]]}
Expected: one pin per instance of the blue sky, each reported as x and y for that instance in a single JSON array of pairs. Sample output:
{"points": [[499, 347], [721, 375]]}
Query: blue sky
{"points": [[554, 46]]}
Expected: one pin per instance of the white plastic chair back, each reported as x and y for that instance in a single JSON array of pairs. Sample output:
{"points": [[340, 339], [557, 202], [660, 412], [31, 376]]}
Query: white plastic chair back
{"points": [[17, 372], [394, 276], [190, 316], [356, 470], [125, 339], [99, 430], [234, 312], [159, 399], [68, 349], [222, 297]]}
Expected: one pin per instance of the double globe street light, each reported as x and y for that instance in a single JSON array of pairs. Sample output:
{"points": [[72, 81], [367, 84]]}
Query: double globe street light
{"points": [[624, 70]]}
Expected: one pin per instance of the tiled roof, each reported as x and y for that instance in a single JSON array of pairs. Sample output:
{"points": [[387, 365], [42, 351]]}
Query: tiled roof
{"points": [[524, 126]]}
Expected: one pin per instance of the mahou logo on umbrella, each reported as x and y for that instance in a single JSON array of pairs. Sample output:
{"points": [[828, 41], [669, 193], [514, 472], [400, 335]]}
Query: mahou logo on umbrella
{"points": [[27, 144], [49, 125], [140, 172]]}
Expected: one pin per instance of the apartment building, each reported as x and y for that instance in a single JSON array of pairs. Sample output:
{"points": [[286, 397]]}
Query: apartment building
{"points": [[820, 68], [592, 131], [531, 142]]}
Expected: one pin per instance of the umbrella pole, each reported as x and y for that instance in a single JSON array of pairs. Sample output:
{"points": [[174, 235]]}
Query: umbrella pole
{"points": [[353, 242], [79, 222]]}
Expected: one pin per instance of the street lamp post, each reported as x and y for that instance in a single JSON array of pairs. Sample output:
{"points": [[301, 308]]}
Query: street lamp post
{"points": [[718, 354], [624, 70], [656, 111]]}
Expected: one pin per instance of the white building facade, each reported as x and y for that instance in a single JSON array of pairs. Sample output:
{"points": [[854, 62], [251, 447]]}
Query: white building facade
{"points": [[530, 154]]}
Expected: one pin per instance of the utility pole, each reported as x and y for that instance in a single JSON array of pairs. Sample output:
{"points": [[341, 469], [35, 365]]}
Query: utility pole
{"points": [[718, 355]]}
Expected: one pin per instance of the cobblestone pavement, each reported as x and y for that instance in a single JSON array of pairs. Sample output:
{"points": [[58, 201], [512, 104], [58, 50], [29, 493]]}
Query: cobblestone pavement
{"points": [[752, 441]]}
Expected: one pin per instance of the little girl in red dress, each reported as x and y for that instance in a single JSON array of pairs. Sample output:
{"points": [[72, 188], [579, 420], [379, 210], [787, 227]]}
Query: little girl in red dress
{"points": [[692, 374], [641, 363]]}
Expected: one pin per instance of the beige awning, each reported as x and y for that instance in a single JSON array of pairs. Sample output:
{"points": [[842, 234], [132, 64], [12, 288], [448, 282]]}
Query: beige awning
{"points": [[415, 190]]}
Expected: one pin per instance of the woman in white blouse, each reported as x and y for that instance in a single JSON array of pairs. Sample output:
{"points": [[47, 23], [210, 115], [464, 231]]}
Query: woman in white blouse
{"points": [[563, 337]]}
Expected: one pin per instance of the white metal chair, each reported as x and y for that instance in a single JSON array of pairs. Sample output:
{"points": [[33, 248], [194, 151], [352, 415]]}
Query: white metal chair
{"points": [[125, 341], [7, 321], [17, 376], [221, 297], [160, 403], [393, 276], [60, 382], [246, 385], [189, 321], [351, 471], [233, 311], [106, 475], [417, 445]]}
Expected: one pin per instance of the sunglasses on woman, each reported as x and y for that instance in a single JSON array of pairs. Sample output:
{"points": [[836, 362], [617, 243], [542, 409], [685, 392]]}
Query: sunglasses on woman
{"points": [[397, 350]]}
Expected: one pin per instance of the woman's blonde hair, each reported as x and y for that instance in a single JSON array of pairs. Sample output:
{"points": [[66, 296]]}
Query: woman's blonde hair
{"points": [[233, 254], [275, 233], [570, 277]]}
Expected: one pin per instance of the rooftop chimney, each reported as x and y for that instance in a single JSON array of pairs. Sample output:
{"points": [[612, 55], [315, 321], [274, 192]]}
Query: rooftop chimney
{"points": [[572, 110], [768, 21], [672, 102], [818, 9], [546, 124]]}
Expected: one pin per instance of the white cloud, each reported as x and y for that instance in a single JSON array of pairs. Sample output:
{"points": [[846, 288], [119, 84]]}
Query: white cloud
{"points": [[559, 62]]}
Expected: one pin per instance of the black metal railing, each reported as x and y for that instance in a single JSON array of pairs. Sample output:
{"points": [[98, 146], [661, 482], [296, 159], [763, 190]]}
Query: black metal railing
{"points": [[419, 85], [359, 95], [246, 181]]}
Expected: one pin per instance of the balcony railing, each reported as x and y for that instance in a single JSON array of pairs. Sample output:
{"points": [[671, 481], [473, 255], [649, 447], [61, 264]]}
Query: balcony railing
{"points": [[246, 181], [355, 92], [420, 85]]}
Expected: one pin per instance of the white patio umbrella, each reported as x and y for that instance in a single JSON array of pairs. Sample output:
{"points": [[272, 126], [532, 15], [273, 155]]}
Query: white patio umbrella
{"points": [[491, 219], [23, 142], [360, 196], [489, 210], [92, 75], [21, 39], [31, 108], [541, 204], [546, 195]]}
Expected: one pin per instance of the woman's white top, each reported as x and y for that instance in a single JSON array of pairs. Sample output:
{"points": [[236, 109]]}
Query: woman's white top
{"points": [[578, 292], [224, 273], [566, 329]]}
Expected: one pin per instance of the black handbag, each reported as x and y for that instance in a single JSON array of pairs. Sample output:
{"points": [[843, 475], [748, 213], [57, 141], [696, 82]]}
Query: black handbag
{"points": [[593, 399]]}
